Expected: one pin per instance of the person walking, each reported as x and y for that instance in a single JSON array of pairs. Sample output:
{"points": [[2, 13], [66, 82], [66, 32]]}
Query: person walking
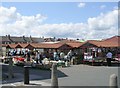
{"points": [[38, 58], [69, 55], [109, 57], [55, 55], [62, 55], [27, 55]]}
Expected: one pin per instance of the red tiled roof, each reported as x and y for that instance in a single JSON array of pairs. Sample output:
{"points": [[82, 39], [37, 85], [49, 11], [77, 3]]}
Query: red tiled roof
{"points": [[71, 43], [95, 42], [74, 44], [113, 39], [35, 45], [23, 45], [46, 45], [3, 45], [19, 45], [11, 45], [111, 42]]}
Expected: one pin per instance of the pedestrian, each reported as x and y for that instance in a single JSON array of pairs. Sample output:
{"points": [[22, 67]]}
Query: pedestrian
{"points": [[3, 58], [69, 55], [109, 57], [55, 55], [39, 58], [27, 55], [36, 57], [62, 55]]}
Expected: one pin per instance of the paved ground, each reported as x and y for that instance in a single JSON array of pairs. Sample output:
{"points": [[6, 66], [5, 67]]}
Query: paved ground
{"points": [[77, 75], [83, 75]]}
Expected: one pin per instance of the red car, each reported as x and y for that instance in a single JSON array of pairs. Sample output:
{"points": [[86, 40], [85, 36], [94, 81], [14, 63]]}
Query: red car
{"points": [[18, 60]]}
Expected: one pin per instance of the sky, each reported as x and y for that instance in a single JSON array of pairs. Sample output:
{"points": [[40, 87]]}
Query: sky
{"points": [[83, 20]]}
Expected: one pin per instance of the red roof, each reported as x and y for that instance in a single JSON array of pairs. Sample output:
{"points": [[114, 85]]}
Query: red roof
{"points": [[110, 42], [74, 45], [46, 45], [16, 45], [11, 45], [113, 39], [3, 45], [23, 45]]}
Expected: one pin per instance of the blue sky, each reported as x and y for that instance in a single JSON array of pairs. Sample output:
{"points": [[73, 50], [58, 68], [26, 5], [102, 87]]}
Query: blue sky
{"points": [[62, 12], [89, 20]]}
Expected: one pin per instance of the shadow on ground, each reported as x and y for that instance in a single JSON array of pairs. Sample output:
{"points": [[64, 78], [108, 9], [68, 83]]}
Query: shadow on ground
{"points": [[34, 74]]}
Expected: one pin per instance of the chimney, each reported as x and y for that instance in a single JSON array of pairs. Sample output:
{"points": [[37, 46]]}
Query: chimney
{"points": [[9, 36], [31, 38], [24, 38], [43, 37]]}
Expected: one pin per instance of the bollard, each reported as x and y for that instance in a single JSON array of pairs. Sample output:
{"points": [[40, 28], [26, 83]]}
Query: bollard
{"points": [[54, 78], [10, 68], [26, 74], [113, 81]]}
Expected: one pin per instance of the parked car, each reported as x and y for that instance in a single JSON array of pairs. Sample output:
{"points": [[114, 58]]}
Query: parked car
{"points": [[18, 60]]}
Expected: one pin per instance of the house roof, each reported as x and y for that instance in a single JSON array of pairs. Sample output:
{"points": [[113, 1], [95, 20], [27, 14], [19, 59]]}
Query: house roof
{"points": [[19, 45], [27, 39], [49, 40], [38, 45], [23, 45], [3, 45], [5, 39], [69, 41], [95, 42], [110, 42], [113, 39], [74, 44], [11, 46], [45, 45], [37, 40], [17, 39]]}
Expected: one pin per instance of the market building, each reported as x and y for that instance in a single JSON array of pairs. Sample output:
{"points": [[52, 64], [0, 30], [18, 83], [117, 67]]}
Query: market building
{"points": [[95, 48]]}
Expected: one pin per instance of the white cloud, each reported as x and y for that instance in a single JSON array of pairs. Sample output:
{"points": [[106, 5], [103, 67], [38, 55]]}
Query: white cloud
{"points": [[81, 5], [104, 21], [103, 6], [115, 8], [14, 23], [7, 15]]}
